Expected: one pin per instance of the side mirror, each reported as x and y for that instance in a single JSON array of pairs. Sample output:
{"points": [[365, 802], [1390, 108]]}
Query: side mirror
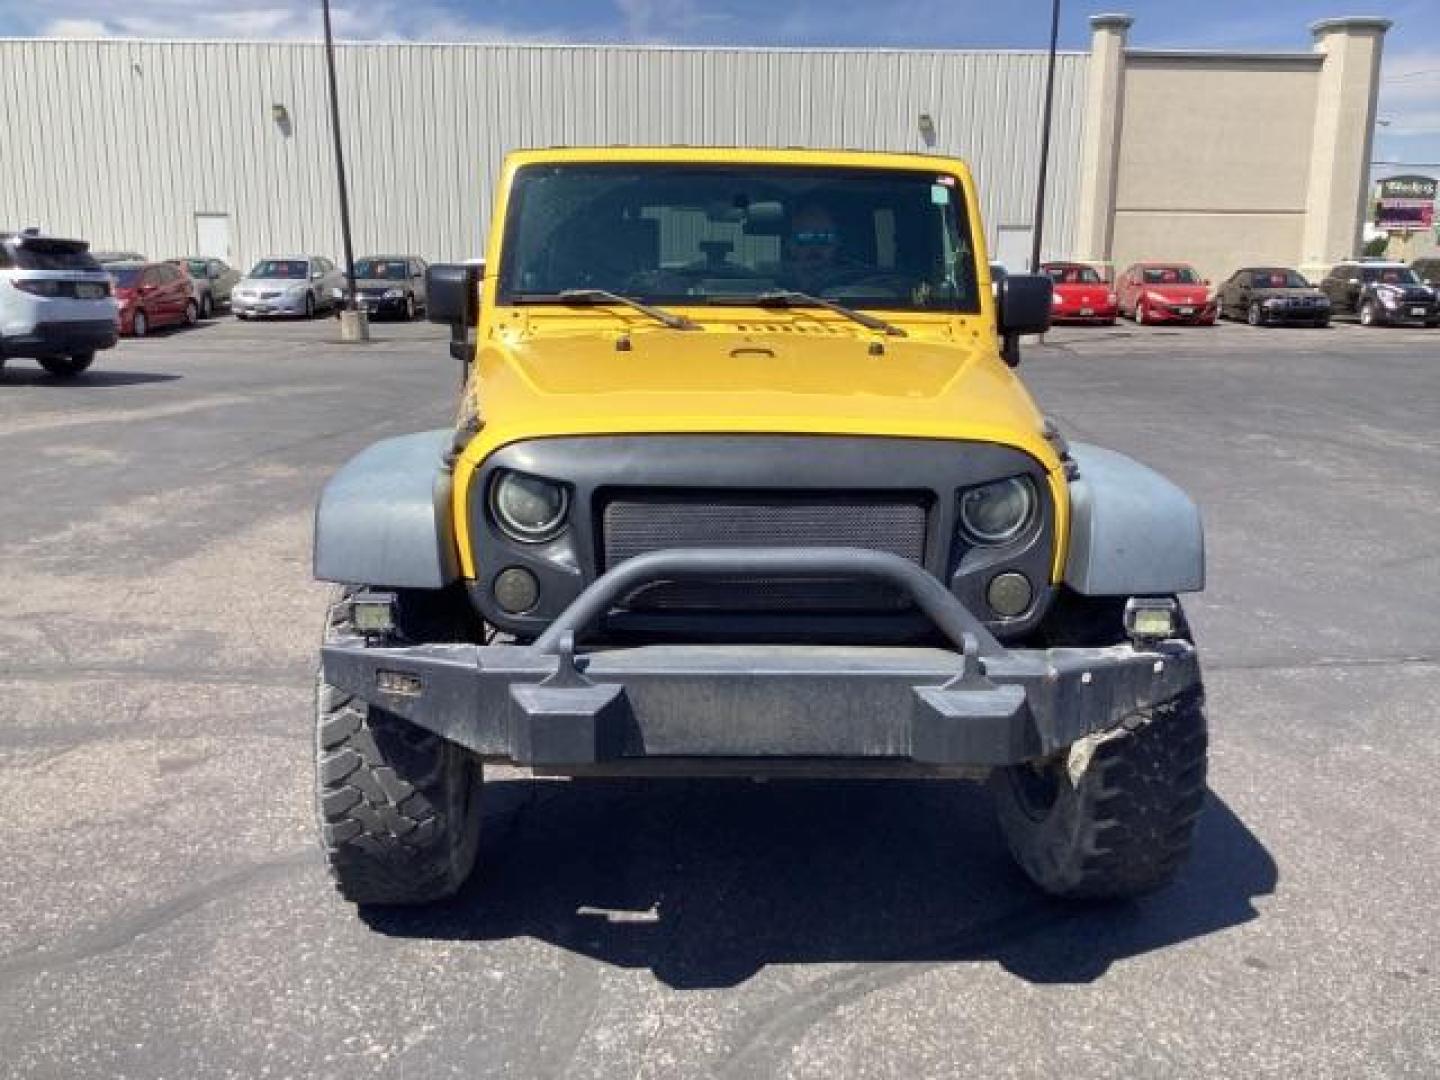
{"points": [[1025, 302], [454, 293], [452, 296]]}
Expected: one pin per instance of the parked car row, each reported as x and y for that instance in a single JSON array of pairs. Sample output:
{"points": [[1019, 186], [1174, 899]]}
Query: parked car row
{"points": [[1372, 292], [60, 303], [155, 294]]}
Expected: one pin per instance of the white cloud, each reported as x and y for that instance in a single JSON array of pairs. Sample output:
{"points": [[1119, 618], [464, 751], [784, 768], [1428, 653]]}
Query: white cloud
{"points": [[270, 20], [75, 28]]}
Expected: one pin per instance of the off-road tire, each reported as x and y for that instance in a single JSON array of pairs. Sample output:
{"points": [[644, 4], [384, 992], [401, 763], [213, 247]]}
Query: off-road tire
{"points": [[398, 806], [66, 367], [1125, 802], [1369, 314]]}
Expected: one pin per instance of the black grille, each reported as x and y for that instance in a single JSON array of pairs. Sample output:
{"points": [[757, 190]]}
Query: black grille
{"points": [[638, 523]]}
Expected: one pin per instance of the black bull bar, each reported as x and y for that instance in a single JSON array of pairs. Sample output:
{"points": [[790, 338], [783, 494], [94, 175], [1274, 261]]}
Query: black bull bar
{"points": [[974, 704]]}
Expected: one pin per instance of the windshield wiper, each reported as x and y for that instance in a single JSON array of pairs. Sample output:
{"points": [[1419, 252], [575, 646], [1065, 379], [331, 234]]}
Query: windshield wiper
{"points": [[605, 296], [790, 298]]}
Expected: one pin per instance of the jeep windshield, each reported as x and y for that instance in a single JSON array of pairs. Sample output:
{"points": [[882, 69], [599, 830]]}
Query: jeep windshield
{"points": [[738, 234]]}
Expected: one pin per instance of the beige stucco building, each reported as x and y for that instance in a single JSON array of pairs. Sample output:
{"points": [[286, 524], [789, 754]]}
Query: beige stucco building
{"points": [[1228, 159]]}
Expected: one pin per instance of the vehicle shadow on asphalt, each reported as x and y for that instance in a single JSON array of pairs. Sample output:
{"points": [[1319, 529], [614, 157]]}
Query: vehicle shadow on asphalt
{"points": [[94, 379], [707, 882]]}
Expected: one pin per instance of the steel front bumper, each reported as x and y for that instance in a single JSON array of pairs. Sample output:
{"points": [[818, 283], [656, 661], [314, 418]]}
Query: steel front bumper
{"points": [[976, 704]]}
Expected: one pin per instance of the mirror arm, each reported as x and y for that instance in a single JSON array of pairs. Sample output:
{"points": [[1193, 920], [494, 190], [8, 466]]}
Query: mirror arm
{"points": [[1010, 350], [460, 348]]}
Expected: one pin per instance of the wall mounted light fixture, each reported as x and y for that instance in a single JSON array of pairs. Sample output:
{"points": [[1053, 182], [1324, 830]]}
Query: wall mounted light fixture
{"points": [[927, 129]]}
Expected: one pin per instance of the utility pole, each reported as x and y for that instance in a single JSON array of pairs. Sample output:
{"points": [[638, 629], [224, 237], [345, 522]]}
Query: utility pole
{"points": [[1039, 232], [353, 325]]}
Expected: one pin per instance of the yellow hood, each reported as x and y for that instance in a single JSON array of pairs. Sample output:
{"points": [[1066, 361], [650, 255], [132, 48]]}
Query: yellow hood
{"points": [[781, 379]]}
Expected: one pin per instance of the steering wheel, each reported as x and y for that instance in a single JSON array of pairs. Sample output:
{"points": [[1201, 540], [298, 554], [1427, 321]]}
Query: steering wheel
{"points": [[862, 281]]}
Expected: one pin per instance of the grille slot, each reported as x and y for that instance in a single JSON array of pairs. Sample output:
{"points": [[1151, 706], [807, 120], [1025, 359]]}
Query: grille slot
{"points": [[634, 524]]}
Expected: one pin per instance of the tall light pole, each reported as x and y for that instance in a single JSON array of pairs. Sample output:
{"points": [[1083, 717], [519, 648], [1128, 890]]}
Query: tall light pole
{"points": [[1039, 232], [339, 162]]}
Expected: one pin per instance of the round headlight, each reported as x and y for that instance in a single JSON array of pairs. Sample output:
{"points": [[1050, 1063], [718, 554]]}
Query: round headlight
{"points": [[528, 508], [997, 513]]}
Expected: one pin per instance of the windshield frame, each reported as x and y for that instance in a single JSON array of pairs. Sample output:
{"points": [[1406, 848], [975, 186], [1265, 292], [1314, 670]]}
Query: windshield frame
{"points": [[304, 274], [1184, 275], [1293, 278], [959, 238], [1371, 275], [363, 266], [1086, 275]]}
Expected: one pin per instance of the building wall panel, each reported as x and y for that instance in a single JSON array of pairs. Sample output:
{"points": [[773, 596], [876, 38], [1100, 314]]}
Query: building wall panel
{"points": [[123, 142]]}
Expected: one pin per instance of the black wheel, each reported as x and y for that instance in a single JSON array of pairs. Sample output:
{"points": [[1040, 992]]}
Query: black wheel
{"points": [[309, 305], [1115, 815], [192, 313], [1255, 314], [1369, 314], [1139, 313], [398, 806], [409, 307], [139, 324], [67, 367], [207, 306]]}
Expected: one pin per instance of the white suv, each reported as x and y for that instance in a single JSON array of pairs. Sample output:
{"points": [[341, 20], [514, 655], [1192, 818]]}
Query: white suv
{"points": [[56, 303]]}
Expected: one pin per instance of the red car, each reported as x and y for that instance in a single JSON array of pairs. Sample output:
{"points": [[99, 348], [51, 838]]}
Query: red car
{"points": [[152, 295], [1165, 292], [1081, 294]]}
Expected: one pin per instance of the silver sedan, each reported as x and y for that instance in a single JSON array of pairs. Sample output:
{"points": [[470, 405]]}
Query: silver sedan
{"points": [[295, 285]]}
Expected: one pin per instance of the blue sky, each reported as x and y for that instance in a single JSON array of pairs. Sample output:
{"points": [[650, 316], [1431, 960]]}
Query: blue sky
{"points": [[1410, 90]]}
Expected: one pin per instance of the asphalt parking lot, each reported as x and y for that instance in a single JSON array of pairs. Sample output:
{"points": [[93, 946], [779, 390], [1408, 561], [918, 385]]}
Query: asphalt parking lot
{"points": [[164, 911]]}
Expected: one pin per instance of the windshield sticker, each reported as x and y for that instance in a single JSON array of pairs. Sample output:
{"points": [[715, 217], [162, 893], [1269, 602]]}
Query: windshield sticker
{"points": [[939, 195]]}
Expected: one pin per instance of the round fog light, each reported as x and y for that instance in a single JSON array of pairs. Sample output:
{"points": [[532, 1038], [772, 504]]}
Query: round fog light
{"points": [[1009, 593], [516, 590]]}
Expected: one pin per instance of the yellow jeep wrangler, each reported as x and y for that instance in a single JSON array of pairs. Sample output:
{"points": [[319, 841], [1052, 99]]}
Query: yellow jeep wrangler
{"points": [[743, 483]]}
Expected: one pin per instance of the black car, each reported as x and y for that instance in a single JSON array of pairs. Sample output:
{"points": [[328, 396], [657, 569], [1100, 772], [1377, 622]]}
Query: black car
{"points": [[392, 285], [1377, 293], [1269, 295]]}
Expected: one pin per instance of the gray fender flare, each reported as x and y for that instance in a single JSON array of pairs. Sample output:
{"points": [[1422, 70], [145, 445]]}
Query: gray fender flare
{"points": [[1132, 532], [384, 518]]}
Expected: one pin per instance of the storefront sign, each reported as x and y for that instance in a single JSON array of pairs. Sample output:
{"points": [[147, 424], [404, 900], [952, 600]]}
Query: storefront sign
{"points": [[1405, 203]]}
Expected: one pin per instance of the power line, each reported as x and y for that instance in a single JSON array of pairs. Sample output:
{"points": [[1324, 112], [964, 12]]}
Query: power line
{"points": [[1410, 75]]}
